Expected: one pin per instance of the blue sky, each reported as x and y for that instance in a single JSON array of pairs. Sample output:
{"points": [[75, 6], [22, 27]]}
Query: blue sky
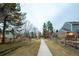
{"points": [[57, 13]]}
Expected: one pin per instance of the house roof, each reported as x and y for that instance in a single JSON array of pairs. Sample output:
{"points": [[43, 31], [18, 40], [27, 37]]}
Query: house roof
{"points": [[66, 29], [75, 22]]}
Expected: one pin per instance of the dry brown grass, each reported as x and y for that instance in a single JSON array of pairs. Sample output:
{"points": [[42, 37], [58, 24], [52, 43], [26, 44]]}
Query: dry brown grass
{"points": [[29, 50], [59, 50]]}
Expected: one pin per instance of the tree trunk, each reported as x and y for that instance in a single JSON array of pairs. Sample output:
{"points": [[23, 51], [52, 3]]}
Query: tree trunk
{"points": [[4, 27]]}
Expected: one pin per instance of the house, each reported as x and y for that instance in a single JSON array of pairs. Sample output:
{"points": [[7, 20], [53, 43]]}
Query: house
{"points": [[69, 27], [9, 35], [69, 33]]}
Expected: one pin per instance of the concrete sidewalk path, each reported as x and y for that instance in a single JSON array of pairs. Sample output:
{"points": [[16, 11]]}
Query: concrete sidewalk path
{"points": [[44, 50]]}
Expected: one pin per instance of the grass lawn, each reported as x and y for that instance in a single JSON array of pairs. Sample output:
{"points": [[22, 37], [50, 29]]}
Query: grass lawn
{"points": [[59, 50], [27, 50]]}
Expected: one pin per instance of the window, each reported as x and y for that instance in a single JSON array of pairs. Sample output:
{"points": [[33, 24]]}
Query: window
{"points": [[7, 32]]}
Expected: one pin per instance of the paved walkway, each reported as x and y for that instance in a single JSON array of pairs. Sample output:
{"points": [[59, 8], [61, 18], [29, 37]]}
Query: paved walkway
{"points": [[44, 50]]}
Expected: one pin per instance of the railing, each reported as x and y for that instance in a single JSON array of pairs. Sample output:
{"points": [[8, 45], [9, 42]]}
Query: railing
{"points": [[74, 42]]}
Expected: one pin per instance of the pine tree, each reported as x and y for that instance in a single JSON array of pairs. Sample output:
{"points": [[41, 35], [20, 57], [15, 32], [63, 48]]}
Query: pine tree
{"points": [[50, 28], [45, 30], [10, 15]]}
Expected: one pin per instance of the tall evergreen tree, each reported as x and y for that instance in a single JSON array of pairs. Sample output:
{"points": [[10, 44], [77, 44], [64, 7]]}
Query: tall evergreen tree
{"points": [[10, 15], [44, 30], [50, 28]]}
